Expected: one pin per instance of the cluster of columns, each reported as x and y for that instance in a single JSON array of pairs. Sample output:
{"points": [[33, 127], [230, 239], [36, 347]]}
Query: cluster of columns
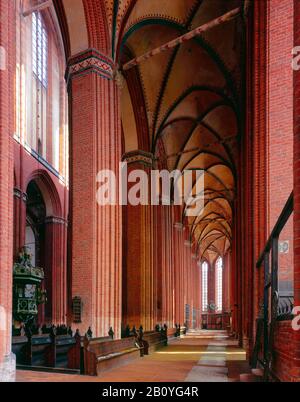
{"points": [[96, 231], [161, 276], [157, 275]]}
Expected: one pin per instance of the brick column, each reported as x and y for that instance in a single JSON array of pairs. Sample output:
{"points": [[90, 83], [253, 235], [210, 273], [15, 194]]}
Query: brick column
{"points": [[7, 66], [20, 199], [295, 374], [55, 262], [157, 262], [178, 251], [258, 142], [167, 267], [226, 281], [139, 297], [193, 286], [95, 145]]}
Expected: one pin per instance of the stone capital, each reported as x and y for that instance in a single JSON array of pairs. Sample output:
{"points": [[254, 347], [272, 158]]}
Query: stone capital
{"points": [[91, 60], [20, 195], [56, 220], [139, 156]]}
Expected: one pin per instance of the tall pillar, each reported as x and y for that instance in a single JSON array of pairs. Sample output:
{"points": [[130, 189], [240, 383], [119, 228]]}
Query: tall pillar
{"points": [[295, 374], [193, 285], [164, 266], [7, 65], [55, 262], [186, 282], [258, 141], [179, 303], [168, 284], [95, 145], [139, 297], [20, 199], [157, 262], [226, 281]]}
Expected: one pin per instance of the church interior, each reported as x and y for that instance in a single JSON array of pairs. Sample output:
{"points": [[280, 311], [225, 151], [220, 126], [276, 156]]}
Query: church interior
{"points": [[143, 292]]}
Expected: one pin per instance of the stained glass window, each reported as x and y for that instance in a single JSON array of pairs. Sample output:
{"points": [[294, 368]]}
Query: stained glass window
{"points": [[219, 284], [204, 286]]}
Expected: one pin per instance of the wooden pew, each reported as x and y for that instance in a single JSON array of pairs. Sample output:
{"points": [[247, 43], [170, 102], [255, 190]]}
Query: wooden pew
{"points": [[62, 351], [76, 355], [39, 351], [19, 348], [154, 341], [44, 350], [62, 345], [171, 333], [101, 355]]}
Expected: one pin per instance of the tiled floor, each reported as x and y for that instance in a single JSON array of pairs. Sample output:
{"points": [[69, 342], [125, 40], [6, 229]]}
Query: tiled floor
{"points": [[198, 357]]}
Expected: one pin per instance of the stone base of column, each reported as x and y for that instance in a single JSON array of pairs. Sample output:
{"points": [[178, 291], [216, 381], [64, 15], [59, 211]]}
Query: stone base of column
{"points": [[8, 369]]}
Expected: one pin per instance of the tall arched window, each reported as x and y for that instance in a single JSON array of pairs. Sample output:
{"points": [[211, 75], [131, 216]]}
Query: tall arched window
{"points": [[204, 286], [39, 62], [219, 284], [41, 97]]}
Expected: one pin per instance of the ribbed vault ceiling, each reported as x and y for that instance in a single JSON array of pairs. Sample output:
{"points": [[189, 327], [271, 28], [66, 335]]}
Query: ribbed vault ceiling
{"points": [[191, 95]]}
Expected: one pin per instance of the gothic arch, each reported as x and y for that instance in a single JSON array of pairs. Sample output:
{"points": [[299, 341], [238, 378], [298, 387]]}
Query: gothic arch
{"points": [[48, 190]]}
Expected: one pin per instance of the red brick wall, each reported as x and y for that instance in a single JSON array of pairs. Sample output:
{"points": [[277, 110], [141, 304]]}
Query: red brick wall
{"points": [[280, 155], [280, 121], [96, 252], [296, 371], [283, 356]]}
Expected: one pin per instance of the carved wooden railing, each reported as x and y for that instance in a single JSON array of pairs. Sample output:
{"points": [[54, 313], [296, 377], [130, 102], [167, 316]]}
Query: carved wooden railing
{"points": [[275, 305]]}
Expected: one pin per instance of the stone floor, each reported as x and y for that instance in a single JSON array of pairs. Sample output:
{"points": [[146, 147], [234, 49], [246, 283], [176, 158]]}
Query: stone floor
{"points": [[202, 356]]}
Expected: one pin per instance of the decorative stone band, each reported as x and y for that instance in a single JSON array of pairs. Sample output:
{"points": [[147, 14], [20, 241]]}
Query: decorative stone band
{"points": [[145, 158], [55, 220], [19, 194], [90, 61]]}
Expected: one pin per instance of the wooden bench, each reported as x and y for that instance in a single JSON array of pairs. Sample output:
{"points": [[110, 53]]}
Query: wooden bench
{"points": [[76, 355], [101, 355], [171, 333], [62, 351], [39, 351], [153, 341], [62, 348], [19, 348]]}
